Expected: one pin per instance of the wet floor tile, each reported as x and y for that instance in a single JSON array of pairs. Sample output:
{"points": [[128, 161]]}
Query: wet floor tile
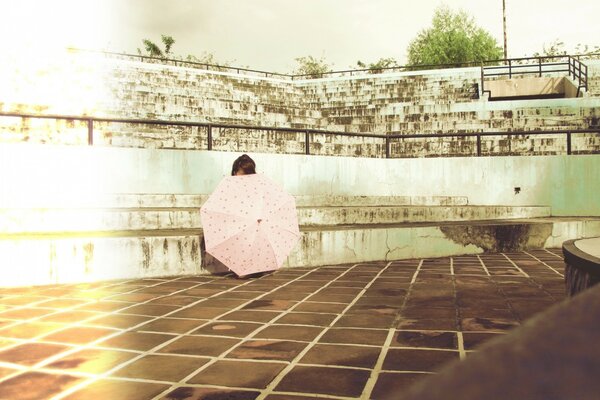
{"points": [[236, 329], [91, 361], [104, 306], [29, 354], [25, 313], [5, 371], [472, 340], [323, 380], [268, 349], [244, 374], [79, 335], [427, 324], [140, 341], [153, 310], [119, 321], [288, 332], [199, 312], [487, 324], [303, 318], [365, 321], [316, 307], [430, 339], [161, 367], [390, 385], [36, 385], [426, 316], [273, 305], [118, 390], [197, 393], [73, 316], [30, 330], [375, 337], [342, 355], [290, 397], [250, 316], [171, 325], [417, 360], [200, 345]]}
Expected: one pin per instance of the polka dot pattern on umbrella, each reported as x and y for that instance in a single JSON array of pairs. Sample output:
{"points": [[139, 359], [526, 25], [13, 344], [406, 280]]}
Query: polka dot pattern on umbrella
{"points": [[250, 224]]}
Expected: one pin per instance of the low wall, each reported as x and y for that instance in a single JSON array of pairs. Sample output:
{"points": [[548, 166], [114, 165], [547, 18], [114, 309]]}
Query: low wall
{"points": [[570, 185]]}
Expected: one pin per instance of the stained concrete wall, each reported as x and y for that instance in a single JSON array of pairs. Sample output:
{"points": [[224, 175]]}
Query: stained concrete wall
{"points": [[440, 101], [570, 185]]}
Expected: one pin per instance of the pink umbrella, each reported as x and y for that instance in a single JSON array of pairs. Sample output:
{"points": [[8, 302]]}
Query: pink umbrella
{"points": [[250, 224]]}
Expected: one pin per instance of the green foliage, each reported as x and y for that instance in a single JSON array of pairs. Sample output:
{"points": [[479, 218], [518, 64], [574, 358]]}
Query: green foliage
{"points": [[154, 50], [168, 41], [314, 67], [453, 38], [378, 66], [206, 58]]}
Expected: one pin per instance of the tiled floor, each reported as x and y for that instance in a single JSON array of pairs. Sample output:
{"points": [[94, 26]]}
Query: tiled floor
{"points": [[340, 332]]}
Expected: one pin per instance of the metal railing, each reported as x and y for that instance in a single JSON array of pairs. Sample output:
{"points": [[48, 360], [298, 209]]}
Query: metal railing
{"points": [[524, 66], [347, 72], [386, 139]]}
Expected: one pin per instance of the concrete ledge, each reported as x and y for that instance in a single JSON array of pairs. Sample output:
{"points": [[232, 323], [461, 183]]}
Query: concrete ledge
{"points": [[582, 264], [91, 256]]}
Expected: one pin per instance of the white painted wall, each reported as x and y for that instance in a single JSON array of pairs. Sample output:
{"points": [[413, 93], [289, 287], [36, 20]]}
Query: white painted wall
{"points": [[39, 174]]}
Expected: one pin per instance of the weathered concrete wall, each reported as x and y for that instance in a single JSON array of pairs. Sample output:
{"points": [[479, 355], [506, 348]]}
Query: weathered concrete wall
{"points": [[570, 185], [530, 86], [593, 77], [158, 234], [441, 101]]}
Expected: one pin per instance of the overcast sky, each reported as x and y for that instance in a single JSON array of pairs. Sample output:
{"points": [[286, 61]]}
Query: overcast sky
{"points": [[270, 34]]}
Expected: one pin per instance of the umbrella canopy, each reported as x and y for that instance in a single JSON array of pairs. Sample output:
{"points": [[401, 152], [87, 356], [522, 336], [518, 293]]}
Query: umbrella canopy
{"points": [[250, 224]]}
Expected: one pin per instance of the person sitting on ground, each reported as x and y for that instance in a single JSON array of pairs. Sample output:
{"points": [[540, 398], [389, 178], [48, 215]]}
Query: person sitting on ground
{"points": [[243, 165]]}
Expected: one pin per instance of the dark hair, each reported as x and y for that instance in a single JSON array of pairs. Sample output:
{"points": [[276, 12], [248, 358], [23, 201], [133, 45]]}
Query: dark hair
{"points": [[244, 163]]}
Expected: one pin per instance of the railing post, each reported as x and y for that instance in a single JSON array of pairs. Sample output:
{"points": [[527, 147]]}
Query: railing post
{"points": [[387, 147], [307, 142], [209, 136], [569, 143], [478, 145], [90, 126], [509, 69], [482, 79], [540, 65]]}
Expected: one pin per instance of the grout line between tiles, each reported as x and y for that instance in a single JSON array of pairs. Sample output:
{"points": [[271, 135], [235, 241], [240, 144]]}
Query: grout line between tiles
{"points": [[483, 265], [269, 389], [370, 385], [259, 329], [516, 266], [554, 254], [121, 365], [461, 345], [531, 255]]}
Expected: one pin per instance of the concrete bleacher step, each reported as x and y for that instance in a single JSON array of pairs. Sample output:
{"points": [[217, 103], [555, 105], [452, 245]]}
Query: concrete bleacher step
{"points": [[56, 257], [158, 235], [322, 245], [317, 216], [159, 218]]}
